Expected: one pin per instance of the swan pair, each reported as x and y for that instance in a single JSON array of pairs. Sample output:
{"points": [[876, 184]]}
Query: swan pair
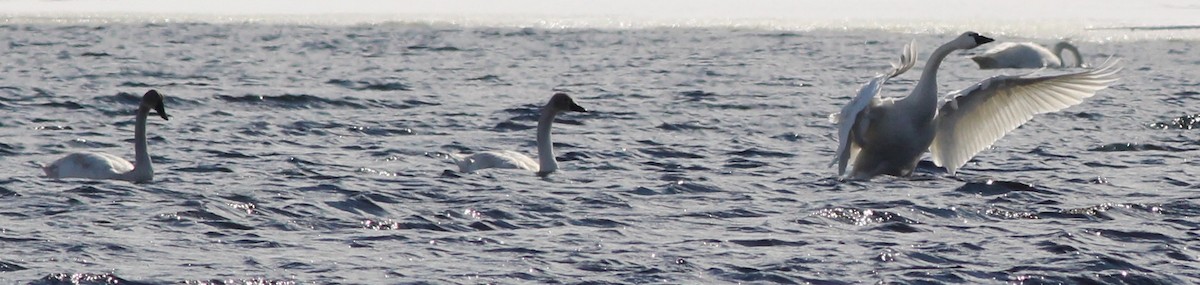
{"points": [[545, 164], [888, 136], [1026, 55], [95, 165]]}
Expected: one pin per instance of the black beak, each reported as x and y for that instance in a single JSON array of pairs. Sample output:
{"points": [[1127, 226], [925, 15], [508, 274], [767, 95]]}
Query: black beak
{"points": [[162, 112], [577, 108], [979, 40]]}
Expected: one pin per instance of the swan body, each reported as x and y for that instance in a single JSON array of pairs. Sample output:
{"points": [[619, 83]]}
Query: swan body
{"points": [[545, 164], [1026, 55], [95, 165], [495, 159], [888, 136]]}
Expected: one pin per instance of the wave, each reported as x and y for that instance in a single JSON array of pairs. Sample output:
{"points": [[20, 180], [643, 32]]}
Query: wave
{"points": [[306, 101], [370, 85], [1186, 122]]}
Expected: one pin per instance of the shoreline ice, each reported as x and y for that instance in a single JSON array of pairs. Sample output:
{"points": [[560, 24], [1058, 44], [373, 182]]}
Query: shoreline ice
{"points": [[1103, 20]]}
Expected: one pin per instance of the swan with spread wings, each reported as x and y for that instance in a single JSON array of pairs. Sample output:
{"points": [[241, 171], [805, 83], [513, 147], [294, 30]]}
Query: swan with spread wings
{"points": [[889, 135]]}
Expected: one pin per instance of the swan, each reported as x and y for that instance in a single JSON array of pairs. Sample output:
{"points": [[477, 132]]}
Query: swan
{"points": [[888, 136], [1026, 55], [95, 165], [545, 164]]}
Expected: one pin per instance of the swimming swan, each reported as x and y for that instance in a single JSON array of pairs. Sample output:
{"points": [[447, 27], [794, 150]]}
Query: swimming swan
{"points": [[888, 136], [94, 165], [545, 164], [1026, 55]]}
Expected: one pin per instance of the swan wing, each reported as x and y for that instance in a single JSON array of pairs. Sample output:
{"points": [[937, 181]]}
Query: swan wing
{"points": [[494, 159], [90, 165], [854, 114], [976, 117], [908, 59]]}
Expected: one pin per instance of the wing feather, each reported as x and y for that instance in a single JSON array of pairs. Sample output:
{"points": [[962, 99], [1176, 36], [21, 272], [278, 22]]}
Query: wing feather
{"points": [[854, 114], [978, 116]]}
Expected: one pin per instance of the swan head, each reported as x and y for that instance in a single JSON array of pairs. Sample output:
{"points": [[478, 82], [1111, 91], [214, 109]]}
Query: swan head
{"points": [[562, 102], [153, 100], [970, 40]]}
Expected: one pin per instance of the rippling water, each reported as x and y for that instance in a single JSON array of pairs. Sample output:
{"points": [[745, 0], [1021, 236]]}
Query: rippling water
{"points": [[313, 154]]}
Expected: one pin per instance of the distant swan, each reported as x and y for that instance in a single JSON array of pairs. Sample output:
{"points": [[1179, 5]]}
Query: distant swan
{"points": [[545, 164], [1026, 55], [888, 136], [94, 165]]}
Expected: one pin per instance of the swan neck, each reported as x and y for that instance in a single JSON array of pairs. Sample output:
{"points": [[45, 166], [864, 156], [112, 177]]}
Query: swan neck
{"points": [[924, 95], [1058, 50], [142, 168], [546, 160]]}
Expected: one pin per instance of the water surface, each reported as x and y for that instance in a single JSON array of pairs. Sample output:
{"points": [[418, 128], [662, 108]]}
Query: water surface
{"points": [[310, 153]]}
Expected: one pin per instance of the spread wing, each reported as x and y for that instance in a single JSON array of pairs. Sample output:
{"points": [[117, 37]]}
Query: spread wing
{"points": [[854, 113], [978, 116]]}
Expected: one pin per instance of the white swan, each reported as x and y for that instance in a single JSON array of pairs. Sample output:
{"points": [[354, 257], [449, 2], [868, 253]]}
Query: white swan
{"points": [[545, 164], [1026, 55], [94, 165], [888, 136]]}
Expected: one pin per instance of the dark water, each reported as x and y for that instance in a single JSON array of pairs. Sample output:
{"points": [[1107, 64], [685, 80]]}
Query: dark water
{"points": [[311, 154]]}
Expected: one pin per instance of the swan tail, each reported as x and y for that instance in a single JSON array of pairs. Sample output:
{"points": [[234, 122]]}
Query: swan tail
{"points": [[462, 161], [50, 171], [984, 62]]}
